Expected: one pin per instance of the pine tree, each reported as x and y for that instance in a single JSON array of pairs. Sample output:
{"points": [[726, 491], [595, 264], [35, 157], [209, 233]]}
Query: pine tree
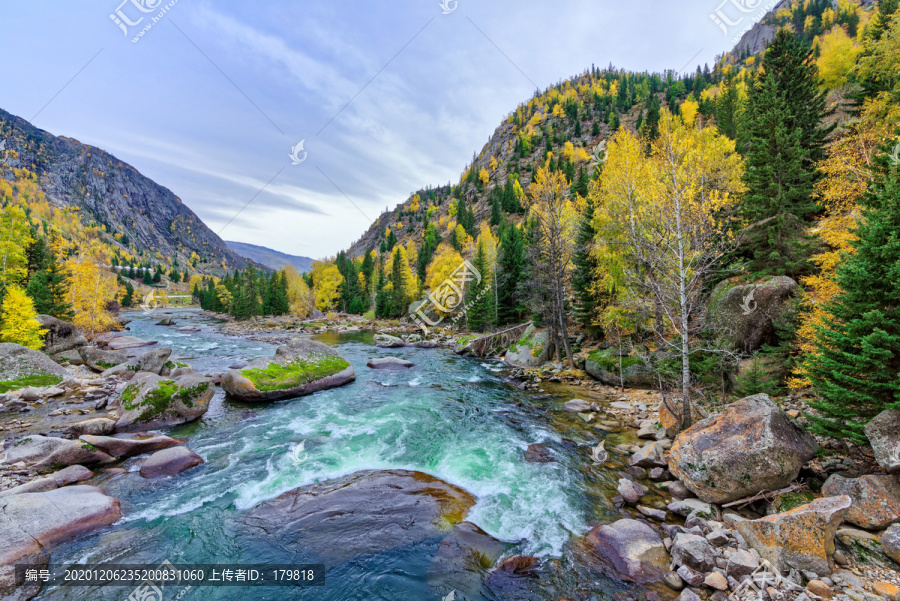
{"points": [[512, 262], [791, 64], [582, 283], [779, 186], [480, 297], [18, 320], [857, 358], [727, 107], [49, 288]]}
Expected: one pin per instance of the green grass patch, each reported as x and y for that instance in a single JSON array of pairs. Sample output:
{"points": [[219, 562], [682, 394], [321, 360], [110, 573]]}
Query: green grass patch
{"points": [[31, 380], [296, 373]]}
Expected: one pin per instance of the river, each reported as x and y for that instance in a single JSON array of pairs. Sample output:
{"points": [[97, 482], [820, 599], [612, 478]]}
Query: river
{"points": [[451, 417]]}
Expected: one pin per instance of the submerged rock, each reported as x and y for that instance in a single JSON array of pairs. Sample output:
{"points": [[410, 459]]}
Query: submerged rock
{"points": [[299, 368], [538, 453], [390, 363], [802, 538], [21, 367], [150, 401], [630, 550], [373, 510], [751, 446]]}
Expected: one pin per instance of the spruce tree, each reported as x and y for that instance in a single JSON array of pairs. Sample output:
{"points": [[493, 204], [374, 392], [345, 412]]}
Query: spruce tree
{"points": [[512, 262], [779, 186], [856, 362], [585, 266], [790, 62], [480, 297], [50, 290]]}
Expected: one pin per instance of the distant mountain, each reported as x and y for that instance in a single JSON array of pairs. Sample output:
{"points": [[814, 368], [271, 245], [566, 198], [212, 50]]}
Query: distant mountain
{"points": [[270, 258], [145, 218]]}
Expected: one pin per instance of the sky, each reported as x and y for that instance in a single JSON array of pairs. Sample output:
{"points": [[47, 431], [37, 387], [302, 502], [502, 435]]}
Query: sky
{"points": [[213, 99]]}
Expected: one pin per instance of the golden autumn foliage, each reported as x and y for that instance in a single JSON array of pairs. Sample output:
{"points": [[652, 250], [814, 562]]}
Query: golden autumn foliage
{"points": [[302, 300], [18, 320], [445, 261], [91, 288], [846, 176], [327, 280], [837, 57]]}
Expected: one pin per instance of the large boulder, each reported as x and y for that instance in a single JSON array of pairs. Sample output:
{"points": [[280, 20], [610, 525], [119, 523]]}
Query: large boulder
{"points": [[751, 446], [876, 499], [374, 510], [32, 523], [890, 542], [61, 336], [802, 538], [100, 360], [299, 368], [630, 550], [47, 453], [694, 552], [21, 366], [152, 361], [883, 433], [671, 412], [64, 477], [604, 366], [532, 349], [744, 316], [128, 445], [150, 401], [97, 426], [170, 462]]}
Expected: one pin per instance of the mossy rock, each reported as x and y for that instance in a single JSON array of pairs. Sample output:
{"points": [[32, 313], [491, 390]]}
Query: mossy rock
{"points": [[298, 368], [603, 365], [743, 316], [21, 367], [531, 350], [150, 401]]}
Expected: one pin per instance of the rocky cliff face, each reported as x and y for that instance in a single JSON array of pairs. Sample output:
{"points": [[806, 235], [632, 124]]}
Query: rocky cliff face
{"points": [[112, 193]]}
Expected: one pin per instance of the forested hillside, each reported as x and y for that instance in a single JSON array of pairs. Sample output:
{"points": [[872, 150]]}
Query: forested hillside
{"points": [[628, 210]]}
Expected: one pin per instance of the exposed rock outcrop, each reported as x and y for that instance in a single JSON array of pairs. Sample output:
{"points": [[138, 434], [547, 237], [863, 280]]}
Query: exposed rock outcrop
{"points": [[744, 316], [21, 367]]}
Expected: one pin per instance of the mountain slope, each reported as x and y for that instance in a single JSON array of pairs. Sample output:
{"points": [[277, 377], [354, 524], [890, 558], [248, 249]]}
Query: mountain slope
{"points": [[270, 258], [139, 214]]}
